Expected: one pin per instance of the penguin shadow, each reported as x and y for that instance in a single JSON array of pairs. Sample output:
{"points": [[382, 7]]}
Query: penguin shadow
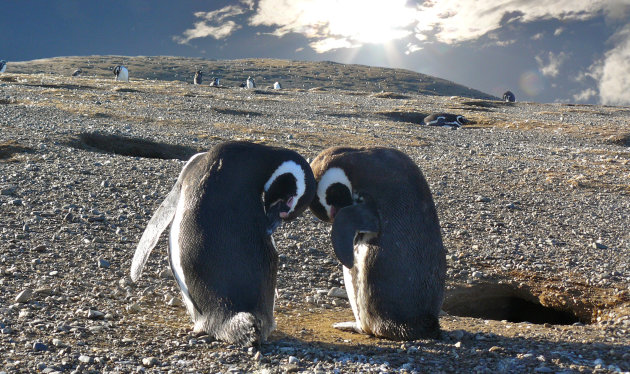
{"points": [[64, 86], [126, 146], [236, 112], [10, 148], [404, 116]]}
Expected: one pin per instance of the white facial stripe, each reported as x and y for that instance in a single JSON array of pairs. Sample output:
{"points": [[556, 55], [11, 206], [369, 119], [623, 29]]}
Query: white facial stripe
{"points": [[332, 175], [296, 170]]}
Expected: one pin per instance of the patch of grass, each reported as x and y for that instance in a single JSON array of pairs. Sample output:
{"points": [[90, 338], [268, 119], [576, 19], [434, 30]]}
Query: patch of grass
{"points": [[135, 147]]}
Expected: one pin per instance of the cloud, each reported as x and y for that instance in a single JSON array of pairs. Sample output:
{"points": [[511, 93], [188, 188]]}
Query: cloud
{"points": [[613, 71], [552, 67], [214, 24], [585, 95]]}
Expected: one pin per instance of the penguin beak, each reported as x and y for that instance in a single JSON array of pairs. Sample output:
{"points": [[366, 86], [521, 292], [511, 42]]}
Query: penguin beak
{"points": [[286, 207], [333, 212]]}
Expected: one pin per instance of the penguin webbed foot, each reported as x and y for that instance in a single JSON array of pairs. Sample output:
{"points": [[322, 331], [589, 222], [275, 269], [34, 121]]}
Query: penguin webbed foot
{"points": [[350, 326]]}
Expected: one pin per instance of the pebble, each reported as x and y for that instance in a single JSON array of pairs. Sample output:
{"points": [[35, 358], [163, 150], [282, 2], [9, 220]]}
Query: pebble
{"points": [[482, 199], [24, 296], [39, 346], [294, 360], [102, 263], [85, 359], [338, 292], [95, 314], [40, 248], [150, 361]]}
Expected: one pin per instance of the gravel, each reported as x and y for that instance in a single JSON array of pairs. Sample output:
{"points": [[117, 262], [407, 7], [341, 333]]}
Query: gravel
{"points": [[532, 198]]}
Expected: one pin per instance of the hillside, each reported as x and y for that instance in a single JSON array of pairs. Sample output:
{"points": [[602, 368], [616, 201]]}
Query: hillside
{"points": [[533, 202], [292, 74]]}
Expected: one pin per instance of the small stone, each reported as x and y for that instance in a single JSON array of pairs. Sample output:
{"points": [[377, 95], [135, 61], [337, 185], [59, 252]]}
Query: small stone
{"points": [[6, 330], [599, 245], [294, 360], [133, 308], [102, 263], [24, 296], [457, 335], [458, 345], [149, 361], [543, 369], [494, 348], [95, 314], [174, 301], [258, 356], [57, 342], [40, 248], [39, 347], [85, 359], [477, 274], [482, 199], [338, 292]]}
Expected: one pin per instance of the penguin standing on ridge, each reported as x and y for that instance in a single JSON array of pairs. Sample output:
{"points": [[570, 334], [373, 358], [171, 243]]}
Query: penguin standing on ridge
{"points": [[198, 77], [277, 86], [386, 234], [250, 83], [215, 82], [3, 66], [223, 210], [509, 97], [121, 73]]}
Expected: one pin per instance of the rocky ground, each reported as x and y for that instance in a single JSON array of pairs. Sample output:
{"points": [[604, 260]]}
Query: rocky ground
{"points": [[533, 201]]}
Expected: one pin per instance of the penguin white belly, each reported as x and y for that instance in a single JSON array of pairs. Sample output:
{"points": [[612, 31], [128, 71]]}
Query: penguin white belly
{"points": [[357, 287], [175, 253], [123, 75]]}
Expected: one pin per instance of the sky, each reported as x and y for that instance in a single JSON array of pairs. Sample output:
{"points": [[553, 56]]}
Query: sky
{"points": [[567, 51]]}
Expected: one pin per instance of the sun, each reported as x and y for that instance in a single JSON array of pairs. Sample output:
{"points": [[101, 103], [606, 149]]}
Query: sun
{"points": [[370, 21]]}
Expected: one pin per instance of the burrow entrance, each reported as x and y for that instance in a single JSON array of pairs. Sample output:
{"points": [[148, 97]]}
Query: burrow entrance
{"points": [[134, 147], [505, 302]]}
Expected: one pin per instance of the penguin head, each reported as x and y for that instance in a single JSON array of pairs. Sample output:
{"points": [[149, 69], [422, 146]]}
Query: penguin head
{"points": [[334, 191], [288, 191], [461, 120]]}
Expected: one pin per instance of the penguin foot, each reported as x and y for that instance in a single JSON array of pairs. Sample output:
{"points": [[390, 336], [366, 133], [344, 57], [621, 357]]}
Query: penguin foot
{"points": [[350, 326], [244, 329]]}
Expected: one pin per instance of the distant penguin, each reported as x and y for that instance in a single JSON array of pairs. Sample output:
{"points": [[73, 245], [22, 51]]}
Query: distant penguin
{"points": [[215, 82], [386, 234], [77, 72], [198, 77], [277, 86], [121, 73], [445, 120], [251, 83], [223, 209], [509, 97], [3, 66]]}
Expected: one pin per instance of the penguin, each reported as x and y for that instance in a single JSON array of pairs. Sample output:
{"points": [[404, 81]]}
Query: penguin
{"points": [[198, 77], [277, 86], [509, 97], [251, 83], [386, 234], [77, 72], [223, 210], [3, 66], [215, 82], [121, 73], [445, 120]]}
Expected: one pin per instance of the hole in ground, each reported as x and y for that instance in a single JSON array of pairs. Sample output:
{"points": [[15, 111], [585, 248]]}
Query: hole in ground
{"points": [[134, 147], [401, 116], [504, 302]]}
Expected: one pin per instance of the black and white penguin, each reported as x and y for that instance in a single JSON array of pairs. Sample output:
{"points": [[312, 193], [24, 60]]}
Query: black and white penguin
{"points": [[3, 66], [509, 97], [445, 120], [215, 82], [223, 209], [277, 86], [251, 83], [386, 234], [198, 77], [121, 73], [77, 72]]}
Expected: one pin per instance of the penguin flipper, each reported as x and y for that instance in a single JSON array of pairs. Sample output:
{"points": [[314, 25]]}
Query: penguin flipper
{"points": [[158, 223], [349, 221]]}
